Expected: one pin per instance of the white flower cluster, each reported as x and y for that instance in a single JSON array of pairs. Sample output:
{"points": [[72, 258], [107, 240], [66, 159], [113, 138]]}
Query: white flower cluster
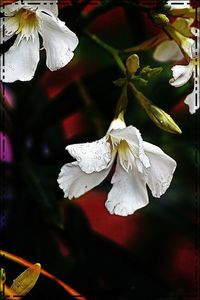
{"points": [[137, 164], [189, 44]]}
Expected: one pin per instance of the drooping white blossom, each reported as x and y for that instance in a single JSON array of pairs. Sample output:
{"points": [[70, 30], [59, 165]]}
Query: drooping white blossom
{"points": [[172, 50], [138, 164], [29, 22], [183, 73]]}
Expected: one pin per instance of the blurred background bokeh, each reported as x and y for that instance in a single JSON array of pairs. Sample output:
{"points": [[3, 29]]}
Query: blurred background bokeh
{"points": [[149, 255]]}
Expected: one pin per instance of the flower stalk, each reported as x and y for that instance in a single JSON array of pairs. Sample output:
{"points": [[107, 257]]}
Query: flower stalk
{"points": [[156, 114], [112, 51]]}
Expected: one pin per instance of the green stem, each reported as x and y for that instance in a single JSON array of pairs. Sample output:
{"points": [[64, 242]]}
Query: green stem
{"points": [[122, 102], [111, 50], [146, 45], [143, 101]]}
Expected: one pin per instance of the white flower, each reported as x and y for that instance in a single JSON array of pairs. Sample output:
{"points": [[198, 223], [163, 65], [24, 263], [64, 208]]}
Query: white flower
{"points": [[170, 50], [29, 22], [138, 164], [183, 73]]}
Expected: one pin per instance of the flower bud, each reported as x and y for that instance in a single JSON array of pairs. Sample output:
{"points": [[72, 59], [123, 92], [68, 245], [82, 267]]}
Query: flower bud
{"points": [[120, 82], [160, 19], [132, 64], [162, 119], [149, 73]]}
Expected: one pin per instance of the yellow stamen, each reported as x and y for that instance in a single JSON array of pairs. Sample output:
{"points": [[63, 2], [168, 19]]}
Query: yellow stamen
{"points": [[125, 155], [26, 18]]}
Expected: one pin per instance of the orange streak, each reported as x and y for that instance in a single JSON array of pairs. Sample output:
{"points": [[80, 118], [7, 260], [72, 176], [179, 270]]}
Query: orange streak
{"points": [[10, 293], [26, 263]]}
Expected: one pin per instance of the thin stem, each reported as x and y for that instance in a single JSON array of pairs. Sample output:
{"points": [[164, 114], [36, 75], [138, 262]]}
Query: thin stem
{"points": [[143, 101], [122, 102], [109, 49], [26, 263], [146, 45]]}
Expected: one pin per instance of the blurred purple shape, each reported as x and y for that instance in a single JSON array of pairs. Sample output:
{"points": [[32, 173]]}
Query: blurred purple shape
{"points": [[8, 96], [6, 154]]}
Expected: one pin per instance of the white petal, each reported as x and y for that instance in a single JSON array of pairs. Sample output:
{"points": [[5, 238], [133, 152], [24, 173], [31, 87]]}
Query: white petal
{"points": [[196, 45], [181, 74], [116, 124], [21, 60], [49, 7], [133, 137], [74, 182], [128, 193], [168, 51], [10, 8], [192, 100], [187, 45], [91, 157], [58, 40], [11, 25], [160, 174], [195, 31], [3, 36]]}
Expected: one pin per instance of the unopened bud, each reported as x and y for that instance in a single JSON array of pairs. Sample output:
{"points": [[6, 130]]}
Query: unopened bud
{"points": [[162, 119], [156, 114], [149, 73], [160, 19], [132, 64], [120, 82], [155, 72]]}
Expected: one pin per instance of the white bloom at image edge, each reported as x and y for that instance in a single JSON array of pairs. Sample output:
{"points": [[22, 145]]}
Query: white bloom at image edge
{"points": [[183, 73], [138, 164], [28, 22]]}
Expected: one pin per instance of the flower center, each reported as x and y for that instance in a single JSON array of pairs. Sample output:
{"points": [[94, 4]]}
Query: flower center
{"points": [[23, 21], [27, 20], [126, 156]]}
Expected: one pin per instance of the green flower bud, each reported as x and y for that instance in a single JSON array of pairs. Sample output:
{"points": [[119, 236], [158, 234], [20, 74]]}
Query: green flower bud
{"points": [[156, 114], [132, 64], [162, 119], [149, 73], [160, 19], [120, 82]]}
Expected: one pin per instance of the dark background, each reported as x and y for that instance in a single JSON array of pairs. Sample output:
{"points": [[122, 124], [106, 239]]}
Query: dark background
{"points": [[152, 254]]}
